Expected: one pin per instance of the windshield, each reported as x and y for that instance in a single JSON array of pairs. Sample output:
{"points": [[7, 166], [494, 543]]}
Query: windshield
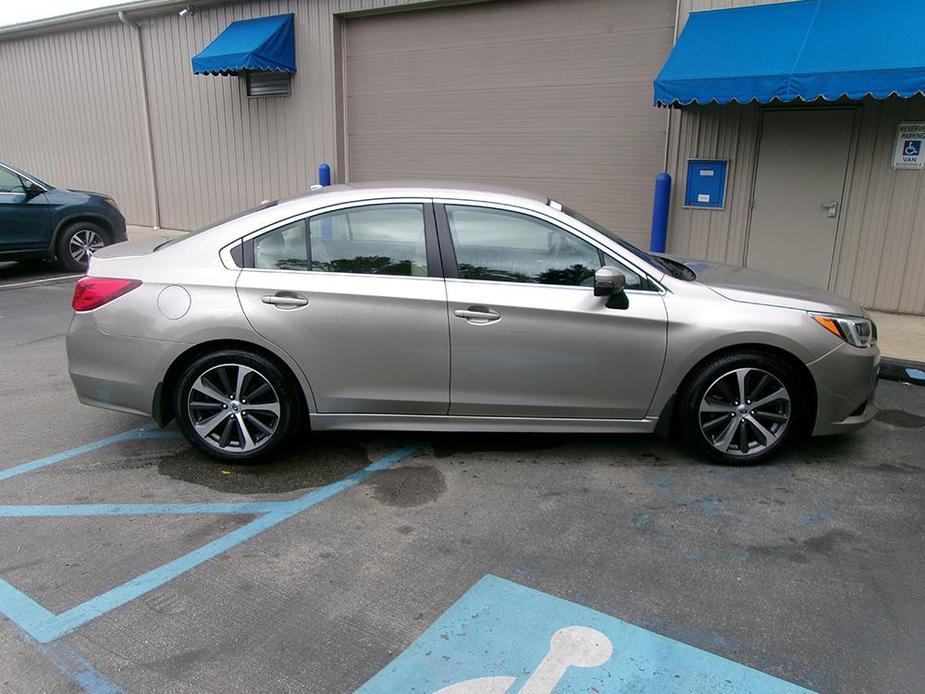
{"points": [[26, 175], [672, 267]]}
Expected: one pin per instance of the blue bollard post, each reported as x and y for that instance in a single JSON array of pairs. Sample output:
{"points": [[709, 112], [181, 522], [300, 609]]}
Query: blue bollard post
{"points": [[324, 179], [659, 238]]}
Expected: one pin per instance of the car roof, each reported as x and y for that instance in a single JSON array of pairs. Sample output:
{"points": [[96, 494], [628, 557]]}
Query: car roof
{"points": [[411, 189]]}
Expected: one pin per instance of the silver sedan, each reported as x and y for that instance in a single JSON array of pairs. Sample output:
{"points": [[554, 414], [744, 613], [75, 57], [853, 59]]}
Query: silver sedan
{"points": [[450, 308]]}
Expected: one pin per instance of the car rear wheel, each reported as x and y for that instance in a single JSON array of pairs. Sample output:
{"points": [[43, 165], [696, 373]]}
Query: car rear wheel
{"points": [[236, 406], [79, 241], [742, 408]]}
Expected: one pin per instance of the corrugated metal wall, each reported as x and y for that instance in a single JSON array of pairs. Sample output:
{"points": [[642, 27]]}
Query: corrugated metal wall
{"points": [[216, 151], [880, 247], [72, 114]]}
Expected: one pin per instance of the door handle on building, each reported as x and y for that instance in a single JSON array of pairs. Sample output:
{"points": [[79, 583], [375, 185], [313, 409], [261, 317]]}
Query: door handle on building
{"points": [[831, 208], [283, 301]]}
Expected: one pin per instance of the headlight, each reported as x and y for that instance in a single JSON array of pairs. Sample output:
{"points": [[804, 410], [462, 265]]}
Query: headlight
{"points": [[111, 203], [858, 332]]}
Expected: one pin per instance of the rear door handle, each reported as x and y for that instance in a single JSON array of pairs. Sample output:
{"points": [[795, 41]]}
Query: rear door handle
{"points": [[478, 315], [284, 301]]}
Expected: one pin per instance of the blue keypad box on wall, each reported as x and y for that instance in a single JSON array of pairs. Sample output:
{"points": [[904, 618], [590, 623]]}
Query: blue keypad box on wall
{"points": [[706, 183]]}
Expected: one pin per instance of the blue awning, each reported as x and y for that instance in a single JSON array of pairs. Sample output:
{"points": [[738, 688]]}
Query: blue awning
{"points": [[265, 43], [808, 50]]}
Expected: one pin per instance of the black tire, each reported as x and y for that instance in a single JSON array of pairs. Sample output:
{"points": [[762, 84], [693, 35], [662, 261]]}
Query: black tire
{"points": [[702, 418], [246, 423], [79, 236]]}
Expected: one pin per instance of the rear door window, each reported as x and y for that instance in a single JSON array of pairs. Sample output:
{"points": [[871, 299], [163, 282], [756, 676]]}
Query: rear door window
{"points": [[384, 239], [371, 240]]}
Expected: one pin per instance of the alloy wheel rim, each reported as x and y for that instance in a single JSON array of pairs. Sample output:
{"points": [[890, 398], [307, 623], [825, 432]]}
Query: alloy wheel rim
{"points": [[233, 408], [84, 243], [745, 412]]}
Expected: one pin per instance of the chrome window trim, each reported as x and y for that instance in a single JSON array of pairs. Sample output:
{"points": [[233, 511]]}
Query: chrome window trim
{"points": [[617, 252]]}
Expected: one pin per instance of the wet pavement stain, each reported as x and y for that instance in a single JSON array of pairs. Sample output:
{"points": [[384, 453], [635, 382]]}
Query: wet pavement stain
{"points": [[413, 485], [900, 468], [901, 418], [446, 445], [317, 462], [800, 551]]}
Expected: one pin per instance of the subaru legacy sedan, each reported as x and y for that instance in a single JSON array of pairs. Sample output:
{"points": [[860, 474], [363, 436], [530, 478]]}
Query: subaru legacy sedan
{"points": [[457, 309]]}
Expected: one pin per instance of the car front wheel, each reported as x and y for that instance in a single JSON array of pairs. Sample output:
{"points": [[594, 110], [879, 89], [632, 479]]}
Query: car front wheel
{"points": [[236, 406], [78, 242], [742, 408]]}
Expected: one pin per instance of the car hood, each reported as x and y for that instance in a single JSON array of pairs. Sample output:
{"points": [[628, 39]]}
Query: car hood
{"points": [[756, 287], [89, 193]]}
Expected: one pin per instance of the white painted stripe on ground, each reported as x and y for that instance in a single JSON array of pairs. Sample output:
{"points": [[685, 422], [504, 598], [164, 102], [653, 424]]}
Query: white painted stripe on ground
{"points": [[44, 280]]}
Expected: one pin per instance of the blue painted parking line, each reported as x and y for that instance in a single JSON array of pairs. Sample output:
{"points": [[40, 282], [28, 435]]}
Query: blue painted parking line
{"points": [[75, 667], [62, 510], [45, 626], [140, 434], [505, 638]]}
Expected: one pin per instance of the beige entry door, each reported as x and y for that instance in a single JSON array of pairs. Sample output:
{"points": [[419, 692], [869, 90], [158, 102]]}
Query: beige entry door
{"points": [[799, 191]]}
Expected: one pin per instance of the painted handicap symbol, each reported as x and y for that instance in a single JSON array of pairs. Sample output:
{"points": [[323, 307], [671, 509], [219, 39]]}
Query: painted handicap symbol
{"points": [[504, 638], [569, 647]]}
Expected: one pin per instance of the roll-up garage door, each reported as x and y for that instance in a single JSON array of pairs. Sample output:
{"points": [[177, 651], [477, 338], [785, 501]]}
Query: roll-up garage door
{"points": [[550, 96]]}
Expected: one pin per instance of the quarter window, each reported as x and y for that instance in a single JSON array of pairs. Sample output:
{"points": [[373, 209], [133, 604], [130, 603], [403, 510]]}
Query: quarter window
{"points": [[505, 246], [371, 240]]}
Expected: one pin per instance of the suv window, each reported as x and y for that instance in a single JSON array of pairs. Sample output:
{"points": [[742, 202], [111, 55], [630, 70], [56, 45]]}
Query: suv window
{"points": [[508, 246], [371, 240], [10, 182]]}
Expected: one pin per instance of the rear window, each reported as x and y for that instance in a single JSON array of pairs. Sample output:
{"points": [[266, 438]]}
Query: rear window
{"points": [[262, 206]]}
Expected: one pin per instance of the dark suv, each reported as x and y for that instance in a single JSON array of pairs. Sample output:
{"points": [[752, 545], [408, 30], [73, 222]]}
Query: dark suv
{"points": [[39, 221]]}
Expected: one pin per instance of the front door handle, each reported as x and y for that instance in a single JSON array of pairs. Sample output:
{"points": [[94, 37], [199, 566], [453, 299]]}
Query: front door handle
{"points": [[284, 300], [477, 315], [831, 208]]}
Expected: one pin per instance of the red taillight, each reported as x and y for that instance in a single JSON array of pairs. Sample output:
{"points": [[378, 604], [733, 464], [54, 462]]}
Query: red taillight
{"points": [[93, 292]]}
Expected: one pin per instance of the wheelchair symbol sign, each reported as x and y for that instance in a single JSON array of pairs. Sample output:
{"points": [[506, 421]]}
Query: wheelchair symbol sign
{"points": [[504, 638], [908, 153]]}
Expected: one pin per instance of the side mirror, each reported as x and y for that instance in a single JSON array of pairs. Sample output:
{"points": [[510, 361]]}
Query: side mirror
{"points": [[608, 281], [33, 190]]}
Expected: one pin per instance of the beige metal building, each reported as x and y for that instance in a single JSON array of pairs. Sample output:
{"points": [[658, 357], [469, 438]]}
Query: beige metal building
{"points": [[553, 96]]}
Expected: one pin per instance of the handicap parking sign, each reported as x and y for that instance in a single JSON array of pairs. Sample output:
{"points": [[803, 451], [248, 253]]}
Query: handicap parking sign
{"points": [[505, 638], [908, 154]]}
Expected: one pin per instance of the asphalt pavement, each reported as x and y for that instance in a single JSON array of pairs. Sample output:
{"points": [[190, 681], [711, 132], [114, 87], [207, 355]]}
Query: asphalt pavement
{"points": [[409, 562]]}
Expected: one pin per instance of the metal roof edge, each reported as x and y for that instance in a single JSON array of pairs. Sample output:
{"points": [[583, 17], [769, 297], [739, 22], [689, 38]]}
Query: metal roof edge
{"points": [[97, 16]]}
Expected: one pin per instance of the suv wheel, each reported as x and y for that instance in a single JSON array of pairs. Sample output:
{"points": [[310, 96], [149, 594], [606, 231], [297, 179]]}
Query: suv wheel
{"points": [[236, 406], [78, 242], [742, 408]]}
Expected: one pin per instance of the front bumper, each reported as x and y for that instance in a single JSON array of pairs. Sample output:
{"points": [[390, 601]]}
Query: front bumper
{"points": [[119, 229], [117, 373], [846, 379]]}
